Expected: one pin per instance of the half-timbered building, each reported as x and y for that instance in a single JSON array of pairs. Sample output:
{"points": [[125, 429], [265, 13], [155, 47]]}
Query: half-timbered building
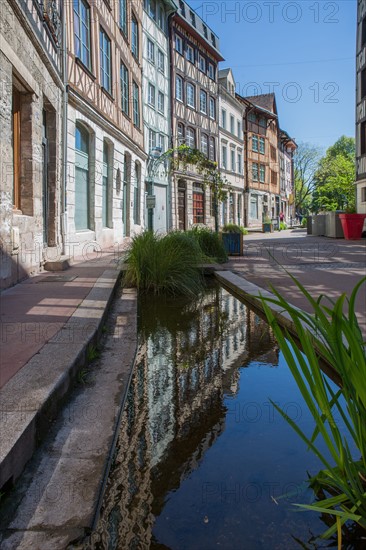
{"points": [[195, 55], [262, 196], [105, 157]]}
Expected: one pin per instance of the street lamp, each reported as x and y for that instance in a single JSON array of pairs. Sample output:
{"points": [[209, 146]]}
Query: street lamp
{"points": [[153, 161]]}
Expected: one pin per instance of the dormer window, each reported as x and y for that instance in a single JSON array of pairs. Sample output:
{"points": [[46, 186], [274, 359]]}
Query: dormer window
{"points": [[204, 30], [182, 8], [192, 17], [213, 40]]}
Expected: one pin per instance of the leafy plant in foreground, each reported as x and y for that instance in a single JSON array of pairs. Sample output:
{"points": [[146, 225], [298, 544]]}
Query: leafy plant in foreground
{"points": [[336, 336]]}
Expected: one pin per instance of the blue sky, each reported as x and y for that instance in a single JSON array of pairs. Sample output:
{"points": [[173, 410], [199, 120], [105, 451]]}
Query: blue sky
{"points": [[303, 50]]}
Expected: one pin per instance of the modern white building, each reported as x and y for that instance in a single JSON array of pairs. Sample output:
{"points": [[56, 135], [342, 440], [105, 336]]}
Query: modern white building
{"points": [[231, 112], [156, 110]]}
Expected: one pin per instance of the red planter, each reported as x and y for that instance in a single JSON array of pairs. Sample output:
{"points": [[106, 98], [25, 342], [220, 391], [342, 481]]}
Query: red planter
{"points": [[352, 225]]}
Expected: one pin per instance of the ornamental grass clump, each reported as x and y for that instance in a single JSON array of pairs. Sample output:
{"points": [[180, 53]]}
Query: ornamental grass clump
{"points": [[168, 264], [234, 228], [210, 244], [335, 335]]}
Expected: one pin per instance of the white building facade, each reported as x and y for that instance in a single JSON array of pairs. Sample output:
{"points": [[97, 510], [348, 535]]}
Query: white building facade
{"points": [[286, 151], [105, 149], [156, 110], [231, 141]]}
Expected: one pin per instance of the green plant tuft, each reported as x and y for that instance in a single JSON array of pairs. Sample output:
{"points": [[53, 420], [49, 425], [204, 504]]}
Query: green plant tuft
{"points": [[168, 264], [210, 244], [234, 228], [335, 336]]}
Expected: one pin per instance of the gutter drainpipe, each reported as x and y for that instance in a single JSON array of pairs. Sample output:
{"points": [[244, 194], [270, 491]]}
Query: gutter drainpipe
{"points": [[64, 134]]}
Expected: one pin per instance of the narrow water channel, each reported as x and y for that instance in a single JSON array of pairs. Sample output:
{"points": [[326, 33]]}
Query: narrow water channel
{"points": [[203, 460]]}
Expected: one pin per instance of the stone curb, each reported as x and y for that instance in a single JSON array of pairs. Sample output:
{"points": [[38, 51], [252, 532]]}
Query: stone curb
{"points": [[32, 398]]}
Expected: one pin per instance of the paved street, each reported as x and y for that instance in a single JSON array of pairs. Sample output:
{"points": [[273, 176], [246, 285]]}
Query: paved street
{"points": [[324, 266]]}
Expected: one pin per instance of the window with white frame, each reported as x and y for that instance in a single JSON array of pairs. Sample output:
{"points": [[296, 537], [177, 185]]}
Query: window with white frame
{"points": [[150, 51], [262, 173], [152, 139], [105, 61], [82, 32], [161, 102], [223, 118], [191, 138], [240, 162], [211, 71], [255, 143], [161, 17], [201, 63], [136, 104], [203, 102], [261, 145], [239, 128], [224, 156], [125, 99], [212, 108], [161, 142], [190, 53], [255, 171], [262, 122], [151, 95], [232, 159], [204, 144], [151, 8], [192, 17], [161, 61], [179, 88], [180, 133], [134, 37], [178, 44], [123, 16], [191, 95], [232, 124], [212, 149]]}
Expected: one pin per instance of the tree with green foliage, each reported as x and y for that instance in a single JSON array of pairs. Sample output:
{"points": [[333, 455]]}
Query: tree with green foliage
{"points": [[334, 180], [306, 162]]}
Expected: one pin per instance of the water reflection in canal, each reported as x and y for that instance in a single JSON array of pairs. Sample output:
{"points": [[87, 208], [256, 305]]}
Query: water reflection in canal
{"points": [[203, 458]]}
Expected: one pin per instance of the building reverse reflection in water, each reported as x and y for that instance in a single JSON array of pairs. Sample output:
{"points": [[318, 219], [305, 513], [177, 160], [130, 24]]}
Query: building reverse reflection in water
{"points": [[188, 361]]}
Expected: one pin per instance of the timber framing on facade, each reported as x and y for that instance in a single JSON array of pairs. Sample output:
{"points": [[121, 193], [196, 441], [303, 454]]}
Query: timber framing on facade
{"points": [[195, 56], [105, 155], [96, 91]]}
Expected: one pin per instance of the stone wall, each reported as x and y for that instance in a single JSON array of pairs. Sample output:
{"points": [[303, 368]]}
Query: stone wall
{"points": [[28, 66]]}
